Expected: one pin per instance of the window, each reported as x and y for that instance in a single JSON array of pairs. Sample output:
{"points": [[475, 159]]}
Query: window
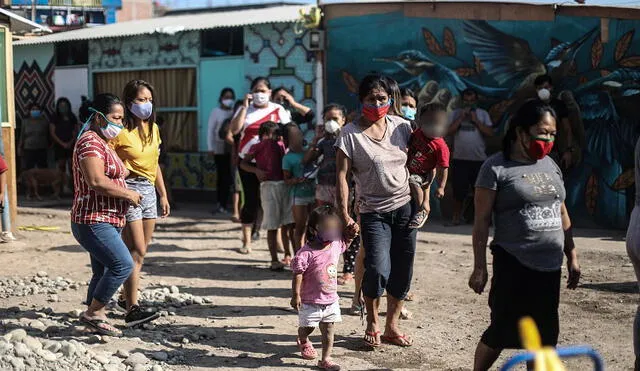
{"points": [[222, 42], [72, 53]]}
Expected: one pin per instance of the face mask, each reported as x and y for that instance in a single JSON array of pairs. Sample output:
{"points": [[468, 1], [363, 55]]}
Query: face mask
{"points": [[331, 127], [63, 109], [35, 113], [260, 99], [330, 235], [409, 113], [228, 103], [374, 113], [471, 105], [142, 110], [544, 94], [540, 147], [109, 132]]}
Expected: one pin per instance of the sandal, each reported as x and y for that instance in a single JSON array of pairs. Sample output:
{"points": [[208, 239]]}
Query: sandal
{"points": [[374, 335], [398, 340], [244, 250], [328, 365], [307, 350], [100, 326], [235, 219]]}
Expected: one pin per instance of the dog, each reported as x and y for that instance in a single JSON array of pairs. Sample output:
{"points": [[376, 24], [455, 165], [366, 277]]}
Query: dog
{"points": [[33, 179]]}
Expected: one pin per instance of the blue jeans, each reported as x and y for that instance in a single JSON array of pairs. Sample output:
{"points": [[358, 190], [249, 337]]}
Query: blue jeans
{"points": [[390, 246], [111, 260]]}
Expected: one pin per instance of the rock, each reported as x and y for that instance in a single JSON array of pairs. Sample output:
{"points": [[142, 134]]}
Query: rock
{"points": [[185, 341], [54, 298], [243, 355], [106, 339], [75, 313], [6, 347], [16, 335], [164, 313], [207, 301], [136, 359], [31, 362], [156, 368], [48, 310], [21, 350], [139, 368], [174, 290], [94, 339], [38, 325], [53, 330], [110, 367], [102, 359], [52, 346], [47, 355], [34, 344], [160, 356], [197, 300], [17, 363], [42, 274], [149, 326], [68, 349], [122, 353]]}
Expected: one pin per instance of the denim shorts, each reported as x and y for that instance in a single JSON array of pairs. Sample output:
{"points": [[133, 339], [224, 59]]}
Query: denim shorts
{"points": [[390, 246], [148, 208]]}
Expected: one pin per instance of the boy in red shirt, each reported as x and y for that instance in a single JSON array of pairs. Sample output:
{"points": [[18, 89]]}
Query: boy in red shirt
{"points": [[427, 152]]}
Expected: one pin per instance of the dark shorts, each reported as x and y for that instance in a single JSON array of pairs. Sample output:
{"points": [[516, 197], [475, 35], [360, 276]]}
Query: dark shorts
{"points": [[390, 246], [516, 292], [463, 177]]}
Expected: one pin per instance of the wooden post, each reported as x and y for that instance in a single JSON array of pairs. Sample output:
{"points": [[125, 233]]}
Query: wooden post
{"points": [[8, 130]]}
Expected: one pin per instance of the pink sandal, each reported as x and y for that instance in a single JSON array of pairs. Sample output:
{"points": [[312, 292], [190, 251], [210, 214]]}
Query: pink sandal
{"points": [[328, 365], [307, 350]]}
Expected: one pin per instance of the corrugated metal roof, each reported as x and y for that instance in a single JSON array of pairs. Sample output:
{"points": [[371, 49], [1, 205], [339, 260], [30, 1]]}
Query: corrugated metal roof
{"points": [[588, 3], [177, 23], [20, 24]]}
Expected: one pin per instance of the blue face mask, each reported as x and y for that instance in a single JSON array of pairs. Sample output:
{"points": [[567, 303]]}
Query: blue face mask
{"points": [[409, 113], [36, 113], [142, 110]]}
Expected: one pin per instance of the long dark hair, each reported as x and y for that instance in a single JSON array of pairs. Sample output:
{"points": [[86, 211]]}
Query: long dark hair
{"points": [[104, 103], [260, 79], [129, 94], [389, 85], [528, 115], [316, 217], [59, 117]]}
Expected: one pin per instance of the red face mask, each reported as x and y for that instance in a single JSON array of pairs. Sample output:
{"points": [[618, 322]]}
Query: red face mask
{"points": [[540, 147], [375, 113]]}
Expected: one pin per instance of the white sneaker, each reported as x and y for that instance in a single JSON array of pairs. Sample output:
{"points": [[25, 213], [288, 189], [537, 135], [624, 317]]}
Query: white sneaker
{"points": [[7, 237]]}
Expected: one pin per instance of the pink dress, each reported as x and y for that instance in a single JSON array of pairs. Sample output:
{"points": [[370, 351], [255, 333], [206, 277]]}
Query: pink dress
{"points": [[320, 273]]}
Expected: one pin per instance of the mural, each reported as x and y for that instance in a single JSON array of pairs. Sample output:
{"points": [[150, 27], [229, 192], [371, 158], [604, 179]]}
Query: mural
{"points": [[34, 84], [157, 50], [440, 58], [191, 171]]}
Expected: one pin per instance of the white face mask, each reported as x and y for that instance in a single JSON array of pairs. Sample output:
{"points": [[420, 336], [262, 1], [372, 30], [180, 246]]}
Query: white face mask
{"points": [[228, 103], [260, 99], [544, 94], [111, 130], [331, 127]]}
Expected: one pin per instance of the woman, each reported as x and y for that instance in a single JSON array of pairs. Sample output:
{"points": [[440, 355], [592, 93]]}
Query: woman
{"points": [[216, 143], [633, 249], [63, 132], [34, 139], [255, 110], [523, 190], [374, 148], [100, 202], [409, 104], [138, 145], [300, 114]]}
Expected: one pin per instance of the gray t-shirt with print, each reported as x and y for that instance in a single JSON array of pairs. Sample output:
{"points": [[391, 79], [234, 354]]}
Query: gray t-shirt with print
{"points": [[382, 179], [527, 209]]}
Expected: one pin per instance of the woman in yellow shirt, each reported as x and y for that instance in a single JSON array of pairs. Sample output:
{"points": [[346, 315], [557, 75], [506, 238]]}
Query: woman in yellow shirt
{"points": [[138, 145]]}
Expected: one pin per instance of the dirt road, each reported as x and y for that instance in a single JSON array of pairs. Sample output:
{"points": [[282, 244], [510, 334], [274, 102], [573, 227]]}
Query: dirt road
{"points": [[249, 324]]}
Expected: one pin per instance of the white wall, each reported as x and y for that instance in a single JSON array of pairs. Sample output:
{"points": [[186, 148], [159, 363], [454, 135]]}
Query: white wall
{"points": [[72, 83]]}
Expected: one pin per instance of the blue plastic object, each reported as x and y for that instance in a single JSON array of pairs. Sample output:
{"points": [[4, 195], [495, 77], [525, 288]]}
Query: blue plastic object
{"points": [[564, 352]]}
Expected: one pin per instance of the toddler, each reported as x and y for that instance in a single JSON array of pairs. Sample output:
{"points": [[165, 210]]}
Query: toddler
{"points": [[315, 286], [427, 152]]}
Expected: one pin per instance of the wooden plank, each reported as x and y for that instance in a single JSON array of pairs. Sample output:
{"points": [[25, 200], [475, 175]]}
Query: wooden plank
{"points": [[599, 12], [485, 11], [332, 11], [8, 132]]}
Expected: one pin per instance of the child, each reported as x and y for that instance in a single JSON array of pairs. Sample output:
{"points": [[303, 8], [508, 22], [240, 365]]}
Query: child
{"points": [[302, 189], [315, 286], [427, 151], [274, 193], [322, 149]]}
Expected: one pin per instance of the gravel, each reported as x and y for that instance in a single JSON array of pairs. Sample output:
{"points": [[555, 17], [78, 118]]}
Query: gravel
{"points": [[40, 283], [170, 298]]}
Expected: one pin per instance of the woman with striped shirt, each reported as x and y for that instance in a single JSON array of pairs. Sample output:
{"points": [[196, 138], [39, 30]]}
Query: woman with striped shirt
{"points": [[100, 202]]}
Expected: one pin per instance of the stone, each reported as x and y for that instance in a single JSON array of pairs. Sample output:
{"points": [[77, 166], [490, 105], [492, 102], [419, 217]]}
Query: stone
{"points": [[94, 339], [52, 346], [48, 310], [17, 363], [110, 367], [102, 359], [160, 356], [16, 335], [47, 355], [122, 353], [136, 359], [6, 347], [207, 301], [34, 344], [197, 300], [139, 368], [54, 298], [53, 330], [42, 274], [31, 362], [68, 349], [156, 368], [75, 313], [185, 341], [174, 290], [243, 355], [21, 350], [38, 325]]}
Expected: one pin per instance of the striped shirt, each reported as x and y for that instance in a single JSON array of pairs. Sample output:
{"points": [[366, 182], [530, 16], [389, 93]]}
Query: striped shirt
{"points": [[89, 207]]}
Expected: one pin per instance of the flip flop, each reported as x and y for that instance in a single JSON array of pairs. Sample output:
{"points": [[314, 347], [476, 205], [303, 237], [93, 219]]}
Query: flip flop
{"points": [[307, 350], [398, 340], [373, 335], [328, 365], [100, 326]]}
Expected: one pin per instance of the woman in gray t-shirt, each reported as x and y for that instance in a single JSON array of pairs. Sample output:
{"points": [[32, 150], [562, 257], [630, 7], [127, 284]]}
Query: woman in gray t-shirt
{"points": [[374, 150], [523, 190]]}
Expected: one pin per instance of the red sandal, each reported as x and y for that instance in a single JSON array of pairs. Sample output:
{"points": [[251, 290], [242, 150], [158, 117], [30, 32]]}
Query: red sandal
{"points": [[307, 350], [398, 340], [374, 335], [328, 365]]}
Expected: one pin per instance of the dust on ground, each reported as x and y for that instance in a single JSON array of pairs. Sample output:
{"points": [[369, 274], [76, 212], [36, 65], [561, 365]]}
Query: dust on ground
{"points": [[251, 326]]}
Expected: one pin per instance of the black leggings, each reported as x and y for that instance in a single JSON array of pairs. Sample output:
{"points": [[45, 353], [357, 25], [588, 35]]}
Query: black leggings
{"points": [[251, 189], [349, 256], [224, 181]]}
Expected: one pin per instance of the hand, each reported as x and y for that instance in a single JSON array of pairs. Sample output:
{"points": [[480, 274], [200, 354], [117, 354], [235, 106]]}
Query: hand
{"points": [[574, 274], [474, 117], [427, 209], [165, 206], [287, 97], [351, 230], [261, 174], [134, 197], [478, 280], [296, 302], [440, 192], [247, 100], [567, 160]]}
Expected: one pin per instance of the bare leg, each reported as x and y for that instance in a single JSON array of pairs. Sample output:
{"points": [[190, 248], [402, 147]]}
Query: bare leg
{"points": [[272, 242], [394, 308], [373, 320], [303, 334], [327, 330], [300, 219], [485, 357], [137, 236], [287, 240], [246, 236], [96, 310], [417, 194], [236, 206]]}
